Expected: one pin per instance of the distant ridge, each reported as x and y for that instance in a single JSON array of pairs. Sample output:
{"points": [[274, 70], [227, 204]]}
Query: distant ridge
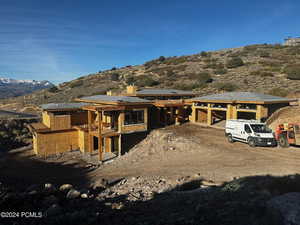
{"points": [[13, 88]]}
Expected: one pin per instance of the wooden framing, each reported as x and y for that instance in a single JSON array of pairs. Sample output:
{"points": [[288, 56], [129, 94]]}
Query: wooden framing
{"points": [[260, 109]]}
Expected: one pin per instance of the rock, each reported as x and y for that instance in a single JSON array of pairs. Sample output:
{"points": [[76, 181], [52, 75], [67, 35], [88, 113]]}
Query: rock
{"points": [[53, 210], [117, 205], [50, 188], [73, 194], [99, 184], [84, 195], [65, 187], [284, 209]]}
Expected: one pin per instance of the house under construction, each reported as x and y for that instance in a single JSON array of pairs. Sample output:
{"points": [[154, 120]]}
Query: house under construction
{"points": [[96, 124], [104, 124]]}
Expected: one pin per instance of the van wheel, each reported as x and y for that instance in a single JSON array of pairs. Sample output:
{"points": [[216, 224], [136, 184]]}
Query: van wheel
{"points": [[283, 142], [229, 138], [251, 142]]}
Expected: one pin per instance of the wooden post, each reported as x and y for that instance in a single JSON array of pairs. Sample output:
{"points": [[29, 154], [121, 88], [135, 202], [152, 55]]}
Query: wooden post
{"points": [[209, 115], [229, 112], [120, 145], [193, 116], [90, 138], [100, 151]]}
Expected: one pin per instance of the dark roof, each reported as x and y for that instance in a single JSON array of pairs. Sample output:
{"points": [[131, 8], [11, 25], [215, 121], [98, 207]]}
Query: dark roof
{"points": [[243, 97], [55, 106], [163, 92], [118, 99]]}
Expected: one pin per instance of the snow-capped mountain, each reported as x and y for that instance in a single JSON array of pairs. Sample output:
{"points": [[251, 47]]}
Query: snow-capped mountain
{"points": [[12, 88]]}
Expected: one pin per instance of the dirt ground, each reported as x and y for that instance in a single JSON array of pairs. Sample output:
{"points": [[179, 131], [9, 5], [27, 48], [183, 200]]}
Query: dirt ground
{"points": [[171, 152], [205, 152]]}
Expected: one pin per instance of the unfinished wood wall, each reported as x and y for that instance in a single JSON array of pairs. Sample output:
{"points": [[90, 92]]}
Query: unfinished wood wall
{"points": [[61, 122], [79, 118], [83, 141], [58, 142], [46, 119]]}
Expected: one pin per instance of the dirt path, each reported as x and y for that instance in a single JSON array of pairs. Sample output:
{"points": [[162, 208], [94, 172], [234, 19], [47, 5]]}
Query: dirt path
{"points": [[208, 153]]}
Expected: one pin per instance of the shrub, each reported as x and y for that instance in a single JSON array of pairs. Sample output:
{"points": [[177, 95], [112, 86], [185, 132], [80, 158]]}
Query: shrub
{"points": [[175, 60], [130, 79], [202, 77], [203, 54], [189, 87], [145, 80], [161, 58], [235, 62], [293, 72], [226, 86], [53, 89], [221, 71], [114, 76], [278, 92], [76, 83]]}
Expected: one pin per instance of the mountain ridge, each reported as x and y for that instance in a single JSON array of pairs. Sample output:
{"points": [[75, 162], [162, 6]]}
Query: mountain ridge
{"points": [[12, 88], [264, 68]]}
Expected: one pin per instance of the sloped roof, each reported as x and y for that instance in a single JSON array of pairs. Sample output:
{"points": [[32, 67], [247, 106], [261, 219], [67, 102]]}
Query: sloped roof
{"points": [[116, 99], [163, 92], [56, 106], [242, 97]]}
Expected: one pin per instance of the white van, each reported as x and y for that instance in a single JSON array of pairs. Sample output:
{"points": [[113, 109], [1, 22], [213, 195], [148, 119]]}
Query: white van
{"points": [[252, 132]]}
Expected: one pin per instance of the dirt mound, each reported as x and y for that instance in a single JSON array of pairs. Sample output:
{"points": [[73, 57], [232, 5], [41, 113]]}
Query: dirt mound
{"points": [[289, 114]]}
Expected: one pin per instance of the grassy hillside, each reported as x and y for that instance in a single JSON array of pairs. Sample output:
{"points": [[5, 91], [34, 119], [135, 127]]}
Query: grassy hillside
{"points": [[265, 68]]}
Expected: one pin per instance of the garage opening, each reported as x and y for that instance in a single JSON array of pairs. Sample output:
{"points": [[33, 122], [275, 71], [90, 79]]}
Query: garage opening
{"points": [[247, 115], [218, 117]]}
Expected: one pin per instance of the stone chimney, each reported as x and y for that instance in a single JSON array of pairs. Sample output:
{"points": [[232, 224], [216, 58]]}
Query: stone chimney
{"points": [[131, 89]]}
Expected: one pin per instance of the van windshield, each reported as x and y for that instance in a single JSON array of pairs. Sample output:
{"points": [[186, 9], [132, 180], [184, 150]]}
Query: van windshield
{"points": [[260, 128]]}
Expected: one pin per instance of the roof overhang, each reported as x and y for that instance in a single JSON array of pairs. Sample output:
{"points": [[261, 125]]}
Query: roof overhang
{"points": [[113, 102]]}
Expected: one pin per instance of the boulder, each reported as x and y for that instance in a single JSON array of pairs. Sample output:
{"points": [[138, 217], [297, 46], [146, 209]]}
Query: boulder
{"points": [[50, 188], [73, 194], [65, 187], [284, 209]]}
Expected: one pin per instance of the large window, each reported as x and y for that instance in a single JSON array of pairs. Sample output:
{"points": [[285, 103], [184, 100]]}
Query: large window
{"points": [[134, 117]]}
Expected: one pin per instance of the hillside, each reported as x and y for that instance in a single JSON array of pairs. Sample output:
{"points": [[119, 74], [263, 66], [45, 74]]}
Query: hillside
{"points": [[12, 88], [265, 68]]}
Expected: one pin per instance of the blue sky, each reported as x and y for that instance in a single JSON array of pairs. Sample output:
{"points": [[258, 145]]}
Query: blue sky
{"points": [[59, 40]]}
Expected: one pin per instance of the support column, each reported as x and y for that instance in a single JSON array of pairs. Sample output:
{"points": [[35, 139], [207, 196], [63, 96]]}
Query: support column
{"points": [[193, 116], [209, 115], [234, 112], [229, 112], [261, 112], [120, 145], [100, 150], [90, 137]]}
